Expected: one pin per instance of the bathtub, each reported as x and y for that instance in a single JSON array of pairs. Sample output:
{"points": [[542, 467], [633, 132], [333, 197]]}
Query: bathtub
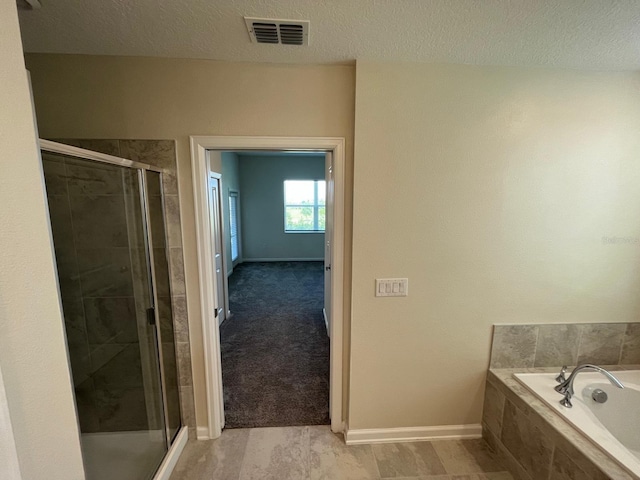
{"points": [[613, 426]]}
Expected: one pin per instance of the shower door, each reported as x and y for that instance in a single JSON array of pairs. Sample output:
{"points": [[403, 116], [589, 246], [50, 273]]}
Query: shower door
{"points": [[159, 254], [100, 220]]}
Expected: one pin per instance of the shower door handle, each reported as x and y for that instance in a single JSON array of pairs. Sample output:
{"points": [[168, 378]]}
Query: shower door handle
{"points": [[151, 315]]}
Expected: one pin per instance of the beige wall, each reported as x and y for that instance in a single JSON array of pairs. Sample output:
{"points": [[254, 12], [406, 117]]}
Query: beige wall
{"points": [[501, 184], [35, 371], [491, 190], [126, 97], [9, 466]]}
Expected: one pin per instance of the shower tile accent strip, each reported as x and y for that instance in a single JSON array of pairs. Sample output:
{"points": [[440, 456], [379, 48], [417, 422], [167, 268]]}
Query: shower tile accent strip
{"points": [[535, 442], [162, 153], [552, 345]]}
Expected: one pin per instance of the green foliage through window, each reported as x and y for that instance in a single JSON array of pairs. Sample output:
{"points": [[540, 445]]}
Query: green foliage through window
{"points": [[304, 205]]}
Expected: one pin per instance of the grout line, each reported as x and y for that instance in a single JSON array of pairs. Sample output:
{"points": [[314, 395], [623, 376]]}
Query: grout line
{"points": [[553, 455], [504, 451], [535, 349], [624, 336], [582, 327]]}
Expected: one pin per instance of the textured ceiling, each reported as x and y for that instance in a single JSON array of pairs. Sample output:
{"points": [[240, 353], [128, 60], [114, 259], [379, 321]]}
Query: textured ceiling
{"points": [[594, 34]]}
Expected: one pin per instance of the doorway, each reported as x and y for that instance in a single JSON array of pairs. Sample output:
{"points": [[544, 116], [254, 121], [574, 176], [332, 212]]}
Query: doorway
{"points": [[204, 160], [274, 345]]}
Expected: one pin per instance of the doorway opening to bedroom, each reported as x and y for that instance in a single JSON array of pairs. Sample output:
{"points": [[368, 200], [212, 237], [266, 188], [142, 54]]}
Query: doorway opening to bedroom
{"points": [[211, 224], [274, 343]]}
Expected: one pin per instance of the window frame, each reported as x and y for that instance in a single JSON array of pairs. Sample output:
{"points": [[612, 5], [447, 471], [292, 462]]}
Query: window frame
{"points": [[234, 194], [315, 206]]}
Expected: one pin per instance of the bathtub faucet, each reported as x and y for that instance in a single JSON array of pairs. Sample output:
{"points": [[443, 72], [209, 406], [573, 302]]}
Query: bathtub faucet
{"points": [[566, 387]]}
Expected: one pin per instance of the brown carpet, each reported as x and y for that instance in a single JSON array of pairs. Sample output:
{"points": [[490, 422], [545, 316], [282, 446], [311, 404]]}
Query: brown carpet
{"points": [[275, 349]]}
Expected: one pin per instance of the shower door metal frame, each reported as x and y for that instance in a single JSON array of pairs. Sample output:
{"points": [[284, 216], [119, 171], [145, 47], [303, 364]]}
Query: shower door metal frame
{"points": [[63, 149], [142, 175]]}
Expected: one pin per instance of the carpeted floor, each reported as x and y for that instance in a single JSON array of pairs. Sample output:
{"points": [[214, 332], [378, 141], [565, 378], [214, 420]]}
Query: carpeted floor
{"points": [[275, 348]]}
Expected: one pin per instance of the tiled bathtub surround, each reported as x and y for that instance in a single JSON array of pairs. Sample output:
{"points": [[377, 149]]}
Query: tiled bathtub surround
{"points": [[162, 153], [552, 345], [536, 442]]}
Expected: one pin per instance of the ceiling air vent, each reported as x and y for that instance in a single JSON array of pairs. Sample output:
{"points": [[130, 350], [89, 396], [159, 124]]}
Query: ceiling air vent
{"points": [[284, 32]]}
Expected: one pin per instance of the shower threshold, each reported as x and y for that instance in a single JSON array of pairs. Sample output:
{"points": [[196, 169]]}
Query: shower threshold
{"points": [[120, 455]]}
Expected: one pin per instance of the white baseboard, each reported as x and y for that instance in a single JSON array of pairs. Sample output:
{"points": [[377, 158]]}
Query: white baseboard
{"points": [[283, 259], [412, 434], [170, 460], [202, 433]]}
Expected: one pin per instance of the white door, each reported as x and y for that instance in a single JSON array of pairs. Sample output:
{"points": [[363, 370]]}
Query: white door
{"points": [[216, 238], [328, 232]]}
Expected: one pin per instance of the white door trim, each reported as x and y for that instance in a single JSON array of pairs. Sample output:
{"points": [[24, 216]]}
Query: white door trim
{"points": [[200, 145], [217, 177]]}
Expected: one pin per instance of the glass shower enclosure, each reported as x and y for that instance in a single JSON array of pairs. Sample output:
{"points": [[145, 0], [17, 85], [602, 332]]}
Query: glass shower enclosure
{"points": [[109, 235]]}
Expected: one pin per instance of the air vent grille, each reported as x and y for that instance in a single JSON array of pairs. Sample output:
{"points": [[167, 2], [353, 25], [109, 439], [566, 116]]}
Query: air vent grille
{"points": [[291, 34], [266, 32], [284, 32]]}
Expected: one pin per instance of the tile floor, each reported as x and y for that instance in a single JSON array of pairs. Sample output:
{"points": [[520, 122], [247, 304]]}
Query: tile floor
{"points": [[314, 453]]}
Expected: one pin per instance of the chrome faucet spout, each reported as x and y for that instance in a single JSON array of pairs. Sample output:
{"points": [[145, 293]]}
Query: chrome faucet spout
{"points": [[566, 387]]}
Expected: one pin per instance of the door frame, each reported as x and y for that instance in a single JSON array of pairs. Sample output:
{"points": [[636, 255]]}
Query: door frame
{"points": [[200, 168], [224, 301]]}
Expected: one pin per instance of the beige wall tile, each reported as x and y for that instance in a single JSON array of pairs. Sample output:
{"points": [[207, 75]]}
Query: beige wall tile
{"points": [[176, 271], [526, 442], [518, 472], [514, 346], [55, 177], [563, 468], [187, 408], [557, 345], [493, 408], [183, 355], [601, 343], [159, 153], [180, 321], [631, 345], [110, 147], [172, 214]]}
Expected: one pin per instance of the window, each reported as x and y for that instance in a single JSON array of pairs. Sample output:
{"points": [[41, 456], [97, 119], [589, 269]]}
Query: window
{"points": [[233, 225], [304, 206]]}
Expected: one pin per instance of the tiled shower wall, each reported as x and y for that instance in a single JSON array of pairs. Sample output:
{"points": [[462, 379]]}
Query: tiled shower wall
{"points": [[553, 345], [162, 153], [95, 256]]}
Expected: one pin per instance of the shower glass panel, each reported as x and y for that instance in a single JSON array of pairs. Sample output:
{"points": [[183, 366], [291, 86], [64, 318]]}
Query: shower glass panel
{"points": [[164, 309], [100, 238]]}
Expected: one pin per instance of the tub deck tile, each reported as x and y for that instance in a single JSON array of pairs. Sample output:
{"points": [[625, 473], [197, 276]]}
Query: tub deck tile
{"points": [[558, 433]]}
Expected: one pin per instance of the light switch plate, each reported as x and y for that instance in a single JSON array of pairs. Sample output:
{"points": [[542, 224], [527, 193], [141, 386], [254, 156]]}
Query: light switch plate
{"points": [[392, 287]]}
